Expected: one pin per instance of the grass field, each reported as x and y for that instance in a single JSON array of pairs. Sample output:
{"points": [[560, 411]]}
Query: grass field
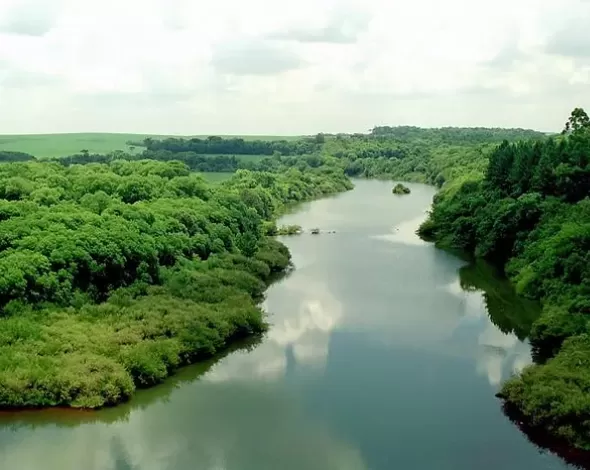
{"points": [[59, 145]]}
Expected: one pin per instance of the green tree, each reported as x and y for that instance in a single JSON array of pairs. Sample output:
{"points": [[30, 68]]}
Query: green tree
{"points": [[577, 122]]}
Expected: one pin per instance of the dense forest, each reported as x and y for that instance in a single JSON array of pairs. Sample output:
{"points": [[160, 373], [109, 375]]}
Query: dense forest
{"points": [[194, 161], [432, 156], [454, 135], [214, 145], [530, 213], [113, 275], [9, 156]]}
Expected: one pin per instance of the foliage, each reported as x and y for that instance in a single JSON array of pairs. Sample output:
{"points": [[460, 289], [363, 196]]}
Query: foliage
{"points": [[113, 275], [400, 189], [231, 146], [454, 135], [578, 121], [423, 155], [289, 230], [530, 213], [195, 162], [410, 153], [211, 163], [556, 395], [11, 156], [59, 145]]}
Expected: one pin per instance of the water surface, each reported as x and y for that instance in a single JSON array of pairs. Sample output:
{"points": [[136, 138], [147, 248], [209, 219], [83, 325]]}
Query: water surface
{"points": [[384, 353]]}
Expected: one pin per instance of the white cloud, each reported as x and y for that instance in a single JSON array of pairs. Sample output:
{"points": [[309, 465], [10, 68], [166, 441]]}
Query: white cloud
{"points": [[179, 66], [246, 57], [342, 25], [572, 38], [27, 17]]}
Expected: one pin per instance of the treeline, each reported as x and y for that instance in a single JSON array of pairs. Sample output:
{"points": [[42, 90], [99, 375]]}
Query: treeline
{"points": [[424, 159], [214, 145], [530, 213], [552, 168], [11, 156], [410, 153], [207, 163], [113, 275], [455, 135], [195, 162]]}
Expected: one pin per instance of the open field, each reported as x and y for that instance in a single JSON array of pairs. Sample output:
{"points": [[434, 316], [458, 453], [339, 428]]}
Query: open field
{"points": [[58, 145]]}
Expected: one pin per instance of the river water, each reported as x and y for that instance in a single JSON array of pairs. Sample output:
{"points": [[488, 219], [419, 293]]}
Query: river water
{"points": [[384, 353]]}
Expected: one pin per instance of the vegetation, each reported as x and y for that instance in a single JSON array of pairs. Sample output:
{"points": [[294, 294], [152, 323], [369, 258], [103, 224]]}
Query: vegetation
{"points": [[454, 135], [216, 177], [231, 146], [400, 189], [60, 145], [529, 212], [10, 156], [290, 230], [424, 155], [432, 156], [196, 162], [113, 275]]}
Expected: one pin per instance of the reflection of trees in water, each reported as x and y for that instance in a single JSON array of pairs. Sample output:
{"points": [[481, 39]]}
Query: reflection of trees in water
{"points": [[515, 315], [509, 312], [546, 443]]}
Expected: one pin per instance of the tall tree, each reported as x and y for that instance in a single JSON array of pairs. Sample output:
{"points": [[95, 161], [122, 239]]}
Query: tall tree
{"points": [[578, 121]]}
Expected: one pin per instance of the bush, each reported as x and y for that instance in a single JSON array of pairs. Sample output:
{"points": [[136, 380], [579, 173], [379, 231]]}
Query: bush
{"points": [[556, 395]]}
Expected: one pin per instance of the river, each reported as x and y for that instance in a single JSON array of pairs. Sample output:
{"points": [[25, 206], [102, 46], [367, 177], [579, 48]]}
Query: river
{"points": [[384, 353]]}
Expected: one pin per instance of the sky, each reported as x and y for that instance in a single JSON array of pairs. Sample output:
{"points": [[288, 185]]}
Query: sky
{"points": [[276, 67]]}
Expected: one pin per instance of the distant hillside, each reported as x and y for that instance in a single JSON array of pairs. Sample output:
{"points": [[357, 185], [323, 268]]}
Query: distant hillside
{"points": [[58, 145], [455, 135]]}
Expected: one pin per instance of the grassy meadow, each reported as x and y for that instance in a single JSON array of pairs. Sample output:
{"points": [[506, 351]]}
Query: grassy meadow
{"points": [[58, 145]]}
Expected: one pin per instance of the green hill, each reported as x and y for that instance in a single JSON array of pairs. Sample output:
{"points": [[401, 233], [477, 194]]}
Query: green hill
{"points": [[57, 145]]}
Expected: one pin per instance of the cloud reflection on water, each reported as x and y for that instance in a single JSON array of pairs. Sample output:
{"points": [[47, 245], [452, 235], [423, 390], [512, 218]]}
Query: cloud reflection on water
{"points": [[498, 354], [302, 314]]}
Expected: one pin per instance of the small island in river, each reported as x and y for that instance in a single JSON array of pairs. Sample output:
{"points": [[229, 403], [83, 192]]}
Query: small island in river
{"points": [[400, 189], [290, 230], [298, 230]]}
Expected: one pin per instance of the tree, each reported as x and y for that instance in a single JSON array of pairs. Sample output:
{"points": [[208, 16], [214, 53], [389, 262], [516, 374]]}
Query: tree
{"points": [[578, 121], [115, 271]]}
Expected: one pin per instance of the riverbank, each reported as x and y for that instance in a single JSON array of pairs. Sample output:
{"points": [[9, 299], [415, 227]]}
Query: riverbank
{"points": [[113, 276], [531, 215]]}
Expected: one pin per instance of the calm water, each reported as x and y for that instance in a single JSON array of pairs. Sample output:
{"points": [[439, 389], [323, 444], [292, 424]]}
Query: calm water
{"points": [[384, 354]]}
